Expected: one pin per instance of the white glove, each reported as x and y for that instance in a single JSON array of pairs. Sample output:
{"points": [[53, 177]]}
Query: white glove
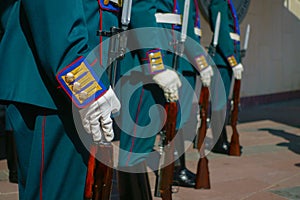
{"points": [[237, 71], [96, 118], [169, 81], [206, 75]]}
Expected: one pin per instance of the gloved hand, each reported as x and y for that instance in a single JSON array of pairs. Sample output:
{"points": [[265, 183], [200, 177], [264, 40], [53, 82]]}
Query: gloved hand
{"points": [[237, 71], [206, 75], [96, 118], [169, 81]]}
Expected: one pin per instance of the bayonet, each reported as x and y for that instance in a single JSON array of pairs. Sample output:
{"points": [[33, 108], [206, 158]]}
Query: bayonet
{"points": [[217, 29], [180, 44], [247, 34], [118, 41], [164, 181], [212, 48]]}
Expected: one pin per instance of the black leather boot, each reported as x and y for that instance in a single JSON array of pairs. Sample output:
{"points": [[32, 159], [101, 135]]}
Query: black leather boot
{"points": [[11, 157], [222, 145], [182, 176], [134, 186]]}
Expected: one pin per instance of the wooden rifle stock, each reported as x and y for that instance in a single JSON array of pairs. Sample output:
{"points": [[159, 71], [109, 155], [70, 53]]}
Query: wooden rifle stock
{"points": [[202, 176], [234, 148], [89, 181], [166, 174], [99, 174]]}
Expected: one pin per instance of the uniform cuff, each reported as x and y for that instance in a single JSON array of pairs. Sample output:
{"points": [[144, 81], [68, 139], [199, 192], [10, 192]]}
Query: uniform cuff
{"points": [[201, 62], [80, 82], [154, 61], [232, 61]]}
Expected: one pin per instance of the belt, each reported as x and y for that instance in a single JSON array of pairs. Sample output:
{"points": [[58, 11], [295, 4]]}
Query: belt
{"points": [[235, 36], [198, 31], [168, 18], [171, 18]]}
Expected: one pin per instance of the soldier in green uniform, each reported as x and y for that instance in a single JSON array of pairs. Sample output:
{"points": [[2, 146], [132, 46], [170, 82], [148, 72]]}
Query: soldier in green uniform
{"points": [[43, 74], [227, 58], [190, 66], [154, 84]]}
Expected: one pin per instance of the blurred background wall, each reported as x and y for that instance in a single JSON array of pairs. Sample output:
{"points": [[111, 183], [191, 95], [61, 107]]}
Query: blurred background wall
{"points": [[272, 62]]}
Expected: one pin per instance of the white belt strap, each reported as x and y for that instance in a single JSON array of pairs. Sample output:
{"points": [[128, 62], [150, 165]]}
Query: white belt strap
{"points": [[235, 36], [198, 31], [168, 18]]}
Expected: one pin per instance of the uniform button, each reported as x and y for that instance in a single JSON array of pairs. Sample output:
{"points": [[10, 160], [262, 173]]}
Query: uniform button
{"points": [[83, 95], [76, 87], [70, 77]]}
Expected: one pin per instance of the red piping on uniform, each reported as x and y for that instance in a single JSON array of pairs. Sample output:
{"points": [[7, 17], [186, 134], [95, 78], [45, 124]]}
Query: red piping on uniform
{"points": [[197, 7], [100, 37], [174, 5], [43, 156], [94, 62], [134, 129]]}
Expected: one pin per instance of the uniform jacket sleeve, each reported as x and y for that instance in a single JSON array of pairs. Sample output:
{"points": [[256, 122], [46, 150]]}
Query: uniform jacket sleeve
{"points": [[193, 48], [225, 45], [148, 40], [59, 34]]}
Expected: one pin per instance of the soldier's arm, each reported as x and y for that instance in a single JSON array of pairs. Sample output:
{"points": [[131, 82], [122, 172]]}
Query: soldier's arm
{"points": [[150, 43], [148, 40], [60, 38], [225, 44], [195, 53]]}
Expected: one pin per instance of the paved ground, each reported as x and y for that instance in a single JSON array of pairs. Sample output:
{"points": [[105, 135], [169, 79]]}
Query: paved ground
{"points": [[269, 167]]}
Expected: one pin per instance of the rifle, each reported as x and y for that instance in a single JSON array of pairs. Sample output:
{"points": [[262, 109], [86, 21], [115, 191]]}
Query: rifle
{"points": [[164, 180], [117, 43], [99, 174], [202, 176], [234, 149], [98, 183]]}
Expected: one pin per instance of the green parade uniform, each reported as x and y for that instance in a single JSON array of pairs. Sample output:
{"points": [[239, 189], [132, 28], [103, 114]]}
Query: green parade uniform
{"points": [[226, 57], [188, 68], [43, 41], [144, 119]]}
